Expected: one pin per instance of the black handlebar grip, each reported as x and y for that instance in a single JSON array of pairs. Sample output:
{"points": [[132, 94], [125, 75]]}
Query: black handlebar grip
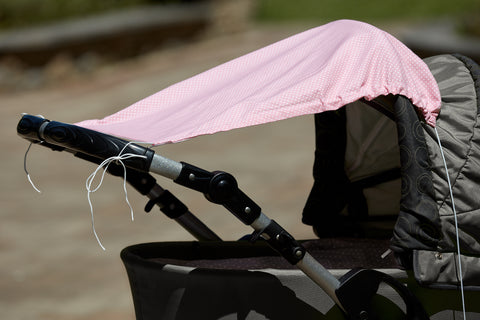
{"points": [[78, 139], [29, 127]]}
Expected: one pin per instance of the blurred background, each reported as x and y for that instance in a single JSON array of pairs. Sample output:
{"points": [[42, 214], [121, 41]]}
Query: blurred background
{"points": [[81, 59]]}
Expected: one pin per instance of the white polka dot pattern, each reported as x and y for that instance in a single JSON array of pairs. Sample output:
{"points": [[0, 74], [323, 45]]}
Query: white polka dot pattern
{"points": [[317, 70]]}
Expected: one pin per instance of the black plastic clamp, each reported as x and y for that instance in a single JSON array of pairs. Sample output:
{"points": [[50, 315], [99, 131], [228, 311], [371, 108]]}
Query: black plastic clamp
{"points": [[169, 204], [282, 241], [221, 188]]}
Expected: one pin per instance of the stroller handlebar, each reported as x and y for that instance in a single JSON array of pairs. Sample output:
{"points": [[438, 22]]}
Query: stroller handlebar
{"points": [[62, 136], [96, 147]]}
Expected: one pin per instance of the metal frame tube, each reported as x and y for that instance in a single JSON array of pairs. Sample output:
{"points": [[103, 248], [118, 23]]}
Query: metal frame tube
{"points": [[321, 276], [187, 220], [311, 267], [197, 228], [165, 167]]}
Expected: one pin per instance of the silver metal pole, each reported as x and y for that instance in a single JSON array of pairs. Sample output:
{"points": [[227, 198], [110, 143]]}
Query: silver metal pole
{"points": [[321, 276], [187, 220], [311, 267], [165, 167], [197, 228]]}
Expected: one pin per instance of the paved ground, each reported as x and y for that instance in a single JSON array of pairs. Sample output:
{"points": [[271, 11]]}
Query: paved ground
{"points": [[51, 267]]}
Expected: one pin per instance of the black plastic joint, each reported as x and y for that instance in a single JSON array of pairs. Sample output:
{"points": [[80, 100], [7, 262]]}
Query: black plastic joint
{"points": [[244, 208], [194, 178], [169, 204], [173, 208], [221, 188], [284, 243]]}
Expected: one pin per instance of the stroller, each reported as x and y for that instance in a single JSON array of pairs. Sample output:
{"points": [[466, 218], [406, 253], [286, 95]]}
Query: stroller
{"points": [[396, 166]]}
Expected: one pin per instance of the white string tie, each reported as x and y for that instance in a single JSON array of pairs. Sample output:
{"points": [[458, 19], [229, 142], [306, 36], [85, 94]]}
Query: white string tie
{"points": [[25, 160], [104, 165], [460, 273], [26, 171]]}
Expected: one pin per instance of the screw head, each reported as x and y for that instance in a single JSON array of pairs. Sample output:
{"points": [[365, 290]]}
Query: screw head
{"points": [[191, 177], [248, 210]]}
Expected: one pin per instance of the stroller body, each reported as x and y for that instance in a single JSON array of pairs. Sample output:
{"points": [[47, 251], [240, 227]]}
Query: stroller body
{"points": [[240, 280], [353, 203]]}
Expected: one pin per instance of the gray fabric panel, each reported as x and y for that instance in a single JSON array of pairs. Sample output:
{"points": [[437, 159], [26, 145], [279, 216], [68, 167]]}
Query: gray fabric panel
{"points": [[440, 269], [418, 224], [458, 127]]}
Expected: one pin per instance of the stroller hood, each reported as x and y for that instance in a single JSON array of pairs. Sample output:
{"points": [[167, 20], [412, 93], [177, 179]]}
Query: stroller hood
{"points": [[403, 163], [458, 129]]}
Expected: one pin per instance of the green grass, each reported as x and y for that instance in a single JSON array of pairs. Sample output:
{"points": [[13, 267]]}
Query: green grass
{"points": [[365, 10], [21, 13]]}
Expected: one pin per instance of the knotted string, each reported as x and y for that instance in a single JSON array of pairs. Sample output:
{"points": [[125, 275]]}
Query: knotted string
{"points": [[104, 165], [89, 182]]}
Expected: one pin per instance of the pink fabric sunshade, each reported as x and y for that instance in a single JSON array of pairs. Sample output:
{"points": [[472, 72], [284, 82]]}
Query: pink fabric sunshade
{"points": [[320, 69]]}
